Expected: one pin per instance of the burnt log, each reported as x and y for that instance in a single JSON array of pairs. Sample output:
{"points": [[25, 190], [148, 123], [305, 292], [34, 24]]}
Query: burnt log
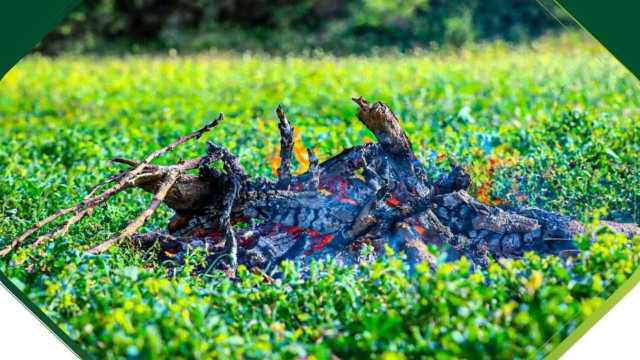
{"points": [[369, 196]]}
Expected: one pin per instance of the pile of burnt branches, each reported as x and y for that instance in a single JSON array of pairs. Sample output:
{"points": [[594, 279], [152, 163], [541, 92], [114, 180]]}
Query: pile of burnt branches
{"points": [[370, 195]]}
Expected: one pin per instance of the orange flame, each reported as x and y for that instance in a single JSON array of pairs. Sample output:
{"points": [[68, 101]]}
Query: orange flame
{"points": [[300, 152], [274, 162]]}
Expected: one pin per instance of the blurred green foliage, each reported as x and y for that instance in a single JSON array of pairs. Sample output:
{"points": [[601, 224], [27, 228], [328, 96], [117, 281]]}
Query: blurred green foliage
{"points": [[284, 26], [551, 123]]}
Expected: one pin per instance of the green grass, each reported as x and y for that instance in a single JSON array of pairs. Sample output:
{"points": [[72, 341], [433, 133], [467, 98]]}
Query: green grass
{"points": [[551, 124]]}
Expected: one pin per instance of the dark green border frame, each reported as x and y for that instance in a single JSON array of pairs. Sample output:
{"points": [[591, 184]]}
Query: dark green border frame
{"points": [[613, 23], [25, 22]]}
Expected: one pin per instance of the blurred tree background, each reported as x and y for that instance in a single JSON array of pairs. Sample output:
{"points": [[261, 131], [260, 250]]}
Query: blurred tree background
{"points": [[282, 26]]}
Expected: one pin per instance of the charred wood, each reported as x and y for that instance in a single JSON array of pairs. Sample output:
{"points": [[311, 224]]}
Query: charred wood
{"points": [[369, 196]]}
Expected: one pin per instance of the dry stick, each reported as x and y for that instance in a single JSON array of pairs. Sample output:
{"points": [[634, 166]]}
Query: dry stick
{"points": [[91, 202], [182, 166], [286, 147], [64, 228], [80, 213], [103, 184], [20, 239], [131, 163], [194, 135], [131, 229], [161, 171]]}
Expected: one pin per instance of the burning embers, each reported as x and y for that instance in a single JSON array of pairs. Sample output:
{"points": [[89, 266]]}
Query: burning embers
{"points": [[371, 195]]}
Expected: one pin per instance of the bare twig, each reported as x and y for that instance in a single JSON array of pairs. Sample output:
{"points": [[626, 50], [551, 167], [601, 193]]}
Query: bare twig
{"points": [[89, 202], [20, 239], [131, 229], [194, 135], [131, 163], [64, 227], [46, 221]]}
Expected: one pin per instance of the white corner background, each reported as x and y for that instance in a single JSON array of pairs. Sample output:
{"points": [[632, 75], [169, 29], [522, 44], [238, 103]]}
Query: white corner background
{"points": [[615, 336], [23, 336]]}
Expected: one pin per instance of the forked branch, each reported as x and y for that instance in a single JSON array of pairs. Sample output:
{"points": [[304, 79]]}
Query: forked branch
{"points": [[123, 181]]}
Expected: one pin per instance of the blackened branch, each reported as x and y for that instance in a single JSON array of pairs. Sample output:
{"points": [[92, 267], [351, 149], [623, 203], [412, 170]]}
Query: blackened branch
{"points": [[286, 148], [457, 179], [314, 170], [235, 178]]}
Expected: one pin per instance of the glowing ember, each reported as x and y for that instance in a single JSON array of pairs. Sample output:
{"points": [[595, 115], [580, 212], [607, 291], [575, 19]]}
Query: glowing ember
{"points": [[347, 200], [324, 240], [393, 202], [420, 229], [170, 254]]}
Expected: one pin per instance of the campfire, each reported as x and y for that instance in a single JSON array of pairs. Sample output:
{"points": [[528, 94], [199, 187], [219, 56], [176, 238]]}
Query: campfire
{"points": [[372, 195]]}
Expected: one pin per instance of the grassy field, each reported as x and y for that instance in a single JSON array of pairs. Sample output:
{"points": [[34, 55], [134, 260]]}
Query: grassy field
{"points": [[551, 124]]}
